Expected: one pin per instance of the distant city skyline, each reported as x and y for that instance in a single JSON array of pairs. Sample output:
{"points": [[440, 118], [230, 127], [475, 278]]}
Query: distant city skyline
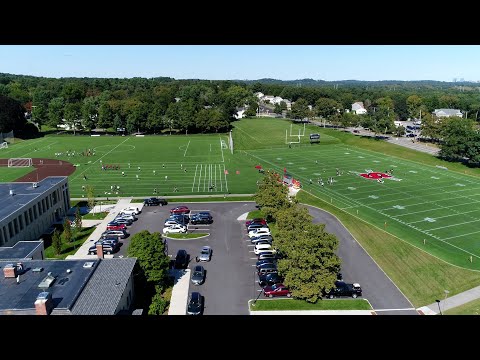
{"points": [[450, 63]]}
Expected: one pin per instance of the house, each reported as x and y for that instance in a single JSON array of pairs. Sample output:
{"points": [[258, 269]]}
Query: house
{"points": [[443, 113], [67, 287], [259, 95], [268, 98], [240, 113], [358, 108]]}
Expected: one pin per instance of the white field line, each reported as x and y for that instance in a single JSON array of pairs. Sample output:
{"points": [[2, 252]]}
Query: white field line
{"points": [[457, 236], [185, 153], [22, 145], [205, 178], [443, 227], [199, 178], [221, 148], [215, 171], [100, 158], [226, 183], [194, 177], [445, 216], [445, 207], [220, 177]]}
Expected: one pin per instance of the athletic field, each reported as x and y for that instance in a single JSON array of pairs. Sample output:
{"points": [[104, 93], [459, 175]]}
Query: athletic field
{"points": [[431, 207]]}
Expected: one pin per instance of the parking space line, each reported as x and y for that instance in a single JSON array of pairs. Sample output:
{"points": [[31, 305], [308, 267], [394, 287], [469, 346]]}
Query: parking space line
{"points": [[251, 245], [253, 258], [250, 251], [252, 264]]}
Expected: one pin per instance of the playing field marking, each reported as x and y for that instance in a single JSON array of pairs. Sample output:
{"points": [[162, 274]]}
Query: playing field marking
{"points": [[26, 143], [194, 177], [100, 158], [215, 171], [220, 177], [431, 209], [210, 147], [399, 207], [221, 148], [457, 224], [246, 133], [199, 177], [205, 179], [445, 216], [226, 184], [351, 188], [457, 236], [185, 153]]}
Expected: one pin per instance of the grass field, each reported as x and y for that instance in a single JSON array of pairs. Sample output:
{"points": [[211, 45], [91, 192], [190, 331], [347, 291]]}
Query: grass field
{"points": [[470, 308], [292, 304]]}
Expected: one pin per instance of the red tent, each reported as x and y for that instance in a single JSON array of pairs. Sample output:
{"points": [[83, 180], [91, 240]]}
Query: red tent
{"points": [[258, 167]]}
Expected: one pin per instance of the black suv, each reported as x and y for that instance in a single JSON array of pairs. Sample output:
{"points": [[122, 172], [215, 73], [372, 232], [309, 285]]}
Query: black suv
{"points": [[181, 260], [195, 304], [201, 218], [269, 279], [155, 202], [344, 289]]}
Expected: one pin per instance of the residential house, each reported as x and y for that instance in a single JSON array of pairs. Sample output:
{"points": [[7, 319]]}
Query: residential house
{"points": [[443, 113], [358, 108]]}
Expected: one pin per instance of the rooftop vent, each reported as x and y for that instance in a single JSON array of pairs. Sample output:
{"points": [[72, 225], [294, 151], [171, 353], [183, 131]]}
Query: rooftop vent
{"points": [[11, 192], [35, 185], [47, 281], [39, 269], [88, 264]]}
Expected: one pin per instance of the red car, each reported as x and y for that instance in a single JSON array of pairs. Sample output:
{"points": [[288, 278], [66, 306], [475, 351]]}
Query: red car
{"points": [[180, 210], [117, 227], [256, 221], [276, 290]]}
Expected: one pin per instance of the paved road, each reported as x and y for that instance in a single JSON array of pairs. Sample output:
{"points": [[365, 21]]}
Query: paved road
{"points": [[358, 266]]}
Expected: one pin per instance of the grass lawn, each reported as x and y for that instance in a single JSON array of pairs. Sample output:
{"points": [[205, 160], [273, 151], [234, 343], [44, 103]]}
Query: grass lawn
{"points": [[70, 248], [95, 216], [470, 308], [420, 276], [185, 236], [287, 304], [211, 199]]}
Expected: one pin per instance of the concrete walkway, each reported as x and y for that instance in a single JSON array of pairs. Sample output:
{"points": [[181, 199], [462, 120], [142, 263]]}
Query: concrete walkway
{"points": [[452, 302], [82, 252], [90, 223], [315, 312], [419, 146], [178, 301]]}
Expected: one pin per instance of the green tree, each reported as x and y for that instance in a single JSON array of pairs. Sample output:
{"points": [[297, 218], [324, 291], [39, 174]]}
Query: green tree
{"points": [[105, 115], [78, 221], [272, 195], [326, 108], [449, 101], [414, 103], [458, 136], [90, 190], [90, 112], [72, 113], [158, 305], [57, 242], [300, 109], [55, 111], [12, 116], [431, 127], [67, 231], [149, 249]]}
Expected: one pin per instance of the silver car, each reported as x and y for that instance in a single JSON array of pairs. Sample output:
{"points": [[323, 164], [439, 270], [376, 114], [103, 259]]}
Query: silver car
{"points": [[205, 254]]}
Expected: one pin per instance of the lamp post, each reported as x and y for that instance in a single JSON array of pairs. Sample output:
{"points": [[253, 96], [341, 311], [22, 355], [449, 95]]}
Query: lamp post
{"points": [[439, 309]]}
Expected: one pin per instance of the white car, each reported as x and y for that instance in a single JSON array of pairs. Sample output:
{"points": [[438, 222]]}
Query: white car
{"points": [[169, 223], [128, 217], [262, 247], [131, 210], [258, 232], [175, 229]]}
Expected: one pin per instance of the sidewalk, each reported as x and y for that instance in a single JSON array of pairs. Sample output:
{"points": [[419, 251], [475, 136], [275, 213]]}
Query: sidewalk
{"points": [[82, 252], [178, 301], [451, 302]]}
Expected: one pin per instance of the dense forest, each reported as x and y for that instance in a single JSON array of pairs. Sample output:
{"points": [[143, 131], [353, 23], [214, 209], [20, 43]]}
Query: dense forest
{"points": [[196, 106]]}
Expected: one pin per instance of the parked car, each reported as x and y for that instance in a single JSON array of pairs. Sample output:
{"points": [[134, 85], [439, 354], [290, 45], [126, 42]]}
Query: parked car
{"points": [[344, 289], [116, 226], [198, 275], [180, 218], [130, 210], [256, 226], [263, 242], [256, 221], [262, 247], [195, 304], [180, 210], [276, 290], [123, 221], [270, 279], [205, 254], [128, 217], [265, 261], [201, 218], [175, 229], [181, 260], [256, 239], [267, 269], [266, 255], [153, 201], [112, 241], [258, 232], [121, 234], [170, 222], [108, 248]]}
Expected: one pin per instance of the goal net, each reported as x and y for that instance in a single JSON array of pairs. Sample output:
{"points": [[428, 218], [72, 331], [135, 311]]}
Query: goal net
{"points": [[20, 162], [4, 145]]}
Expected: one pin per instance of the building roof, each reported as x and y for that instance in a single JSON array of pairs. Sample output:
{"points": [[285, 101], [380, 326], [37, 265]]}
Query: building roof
{"points": [[21, 250], [105, 288], [357, 106], [64, 290], [24, 192], [448, 112]]}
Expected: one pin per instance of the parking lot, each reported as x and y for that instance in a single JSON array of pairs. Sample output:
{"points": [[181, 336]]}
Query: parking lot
{"points": [[231, 279]]}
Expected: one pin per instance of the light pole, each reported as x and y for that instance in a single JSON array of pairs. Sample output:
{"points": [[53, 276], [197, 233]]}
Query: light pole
{"points": [[439, 309]]}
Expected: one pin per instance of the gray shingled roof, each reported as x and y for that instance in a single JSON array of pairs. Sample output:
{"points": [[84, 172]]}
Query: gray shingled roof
{"points": [[448, 112], [105, 288]]}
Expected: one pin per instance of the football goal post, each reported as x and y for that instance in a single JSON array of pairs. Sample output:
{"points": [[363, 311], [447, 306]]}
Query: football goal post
{"points": [[230, 139], [4, 145], [20, 162]]}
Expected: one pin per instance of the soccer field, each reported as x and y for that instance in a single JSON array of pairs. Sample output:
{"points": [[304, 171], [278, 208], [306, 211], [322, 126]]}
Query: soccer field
{"points": [[171, 165], [431, 207]]}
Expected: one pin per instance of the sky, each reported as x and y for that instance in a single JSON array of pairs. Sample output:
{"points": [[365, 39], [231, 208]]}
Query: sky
{"points": [[246, 62]]}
